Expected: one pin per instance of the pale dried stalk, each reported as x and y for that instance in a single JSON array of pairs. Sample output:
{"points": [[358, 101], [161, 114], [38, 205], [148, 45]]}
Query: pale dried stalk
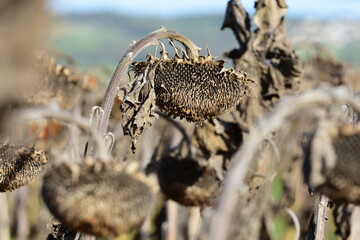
{"points": [[296, 222], [135, 48], [234, 181], [21, 214], [194, 223], [320, 209], [277, 157], [172, 214], [4, 218], [355, 223], [86, 237], [64, 116]]}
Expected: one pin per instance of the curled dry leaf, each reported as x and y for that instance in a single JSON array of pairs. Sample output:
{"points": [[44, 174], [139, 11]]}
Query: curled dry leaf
{"points": [[222, 137], [138, 104], [187, 182], [265, 54], [217, 141], [269, 13]]}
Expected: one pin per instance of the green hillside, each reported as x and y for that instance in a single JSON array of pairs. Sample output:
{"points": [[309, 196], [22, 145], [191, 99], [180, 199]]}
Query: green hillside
{"points": [[101, 39]]}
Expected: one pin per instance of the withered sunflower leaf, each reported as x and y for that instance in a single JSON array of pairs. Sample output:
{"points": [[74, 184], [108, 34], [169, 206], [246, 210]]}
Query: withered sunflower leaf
{"points": [[138, 106]]}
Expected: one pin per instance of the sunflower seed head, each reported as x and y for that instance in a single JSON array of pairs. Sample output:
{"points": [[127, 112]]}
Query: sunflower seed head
{"points": [[196, 89], [19, 168], [340, 179], [101, 200]]}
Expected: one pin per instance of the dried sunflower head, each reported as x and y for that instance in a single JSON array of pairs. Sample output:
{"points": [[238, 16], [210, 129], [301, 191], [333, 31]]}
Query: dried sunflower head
{"points": [[19, 167], [96, 198], [338, 166], [187, 182], [194, 89], [55, 83]]}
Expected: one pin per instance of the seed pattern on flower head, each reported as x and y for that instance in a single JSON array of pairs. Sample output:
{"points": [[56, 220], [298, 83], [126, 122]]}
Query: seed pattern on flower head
{"points": [[338, 166], [19, 168], [108, 200], [193, 87], [196, 89]]}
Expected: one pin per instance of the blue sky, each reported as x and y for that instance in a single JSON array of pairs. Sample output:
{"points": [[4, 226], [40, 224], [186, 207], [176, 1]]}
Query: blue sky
{"points": [[178, 8]]}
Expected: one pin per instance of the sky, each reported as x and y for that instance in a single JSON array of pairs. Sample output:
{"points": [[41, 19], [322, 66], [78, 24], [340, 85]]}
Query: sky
{"points": [[180, 8]]}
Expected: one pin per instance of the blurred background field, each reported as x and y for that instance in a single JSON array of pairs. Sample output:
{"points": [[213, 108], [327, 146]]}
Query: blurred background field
{"points": [[91, 37], [98, 36]]}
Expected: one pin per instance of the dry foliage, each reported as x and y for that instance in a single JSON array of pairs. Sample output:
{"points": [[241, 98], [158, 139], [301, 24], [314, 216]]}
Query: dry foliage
{"points": [[271, 121]]}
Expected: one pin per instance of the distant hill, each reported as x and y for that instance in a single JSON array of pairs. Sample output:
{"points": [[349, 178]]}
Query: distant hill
{"points": [[101, 39]]}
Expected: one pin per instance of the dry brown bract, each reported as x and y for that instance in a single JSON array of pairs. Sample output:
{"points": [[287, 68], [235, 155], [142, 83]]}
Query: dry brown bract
{"points": [[19, 168], [96, 198]]}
